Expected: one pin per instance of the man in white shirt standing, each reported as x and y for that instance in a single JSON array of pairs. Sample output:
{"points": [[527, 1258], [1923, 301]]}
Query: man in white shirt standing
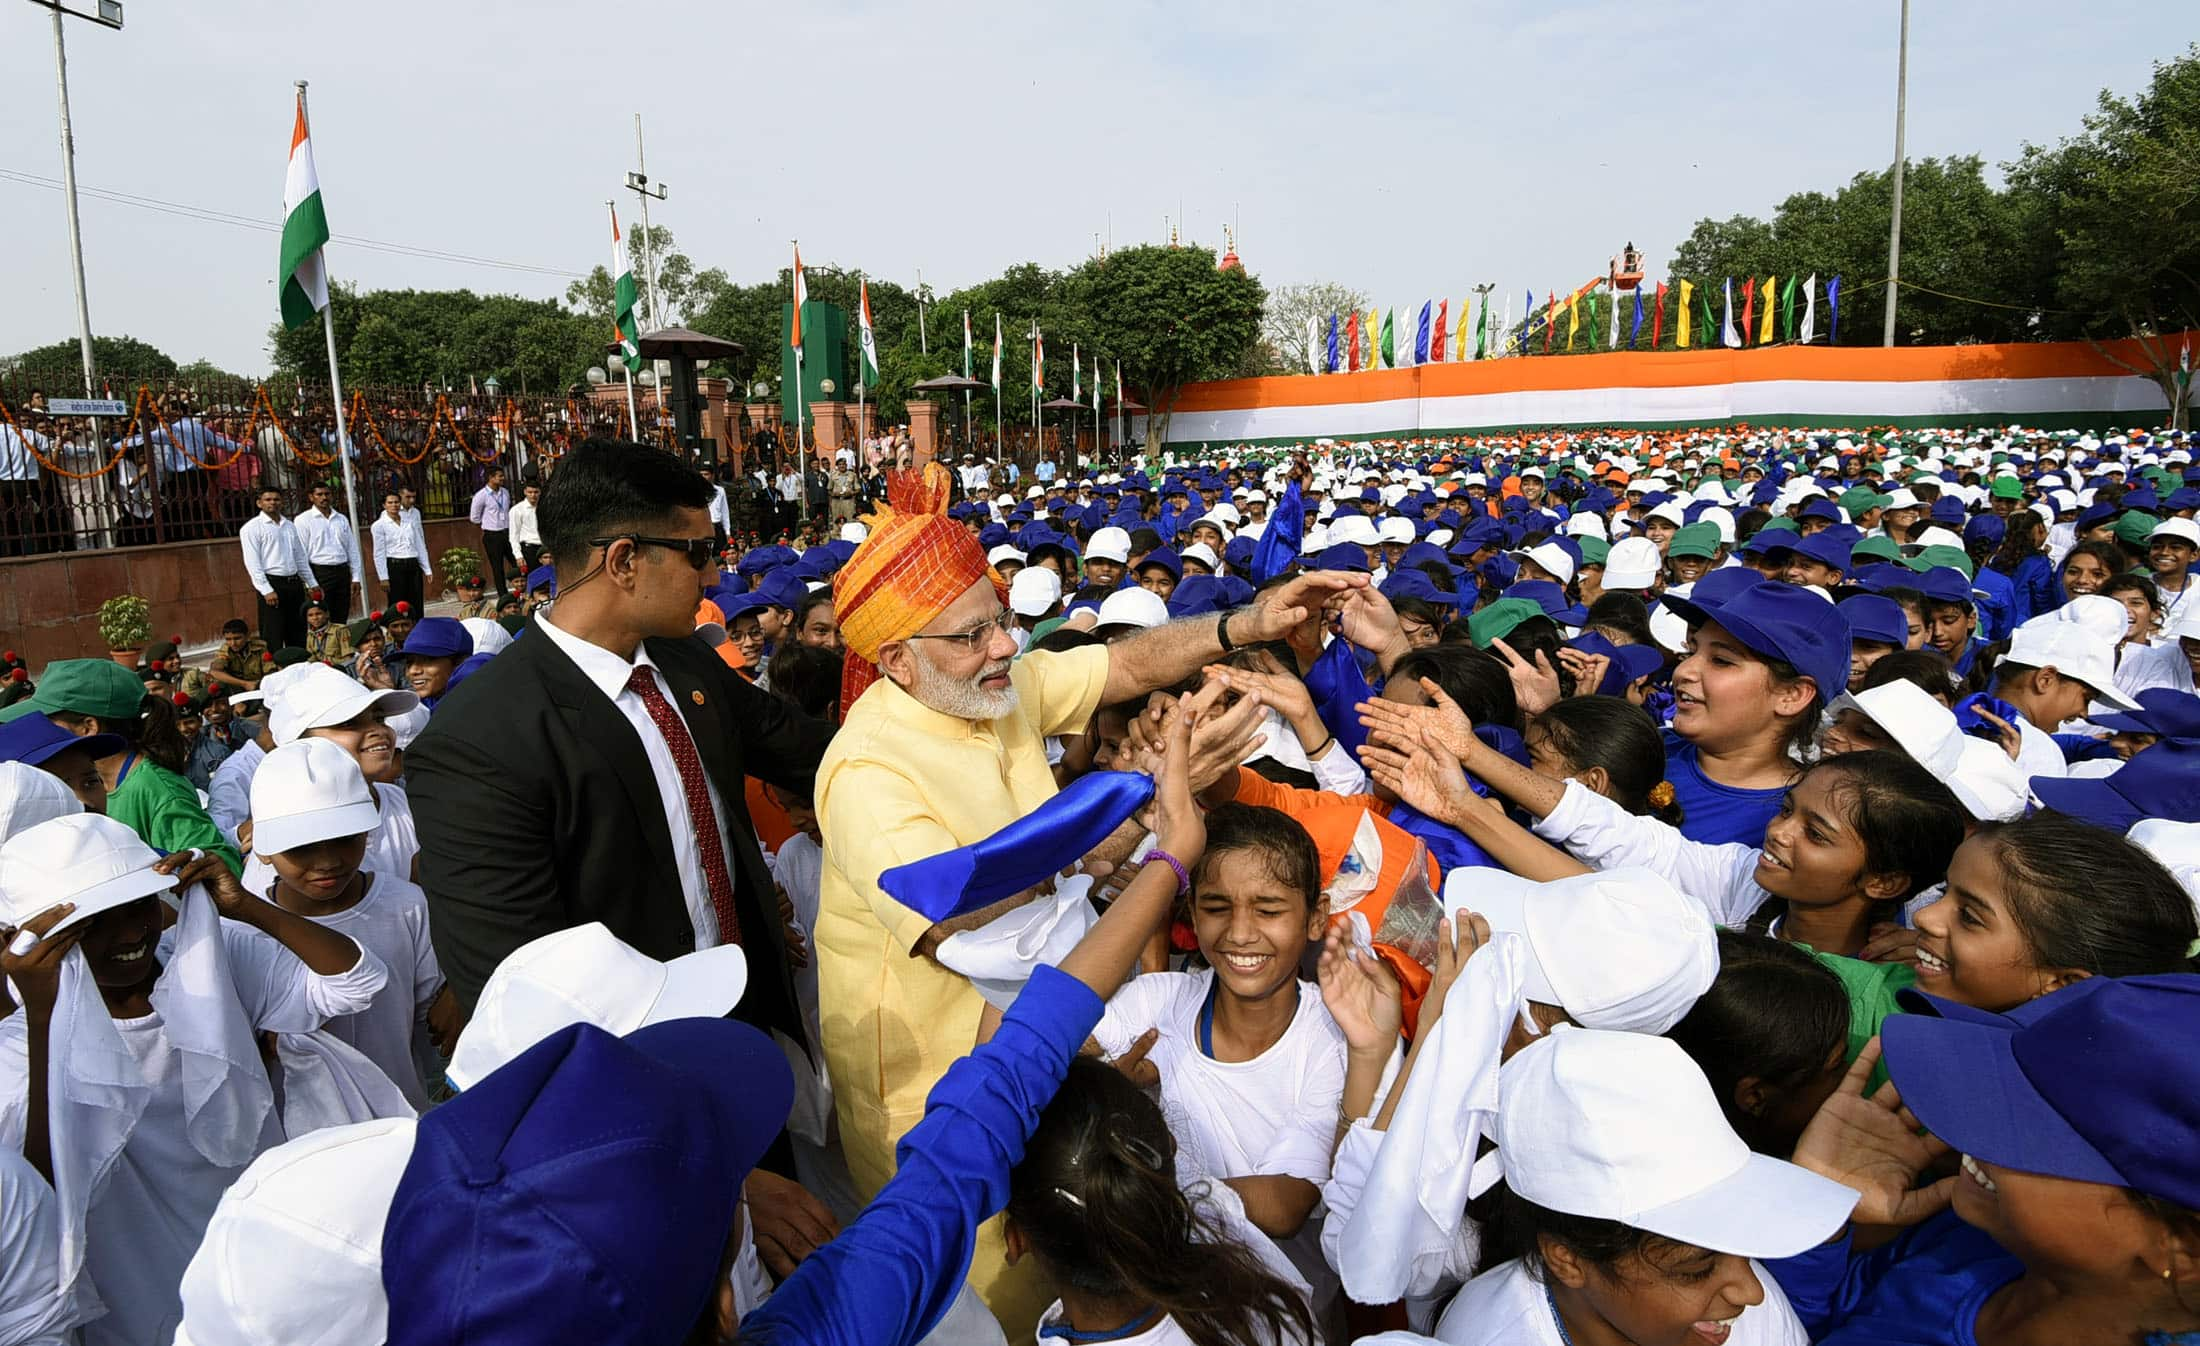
{"points": [[275, 558], [492, 513], [525, 530], [332, 550], [401, 554], [721, 517]]}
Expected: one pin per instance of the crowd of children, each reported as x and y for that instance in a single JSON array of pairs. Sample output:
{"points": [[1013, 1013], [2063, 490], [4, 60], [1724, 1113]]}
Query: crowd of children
{"points": [[1711, 888]]}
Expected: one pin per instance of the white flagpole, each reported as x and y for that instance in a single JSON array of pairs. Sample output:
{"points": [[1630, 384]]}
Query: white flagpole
{"points": [[336, 391]]}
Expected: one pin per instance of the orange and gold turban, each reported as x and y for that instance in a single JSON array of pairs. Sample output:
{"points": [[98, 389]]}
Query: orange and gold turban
{"points": [[913, 566]]}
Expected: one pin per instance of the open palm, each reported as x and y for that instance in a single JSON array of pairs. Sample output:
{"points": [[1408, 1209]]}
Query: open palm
{"points": [[1873, 1146]]}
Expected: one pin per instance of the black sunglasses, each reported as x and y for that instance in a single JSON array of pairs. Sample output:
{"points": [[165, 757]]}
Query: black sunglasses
{"points": [[701, 552]]}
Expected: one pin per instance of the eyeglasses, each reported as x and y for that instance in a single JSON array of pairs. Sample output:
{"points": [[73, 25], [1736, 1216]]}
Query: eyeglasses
{"points": [[700, 551], [973, 640]]}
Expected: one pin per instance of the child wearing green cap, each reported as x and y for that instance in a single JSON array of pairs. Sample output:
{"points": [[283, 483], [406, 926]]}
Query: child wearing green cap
{"points": [[146, 788]]}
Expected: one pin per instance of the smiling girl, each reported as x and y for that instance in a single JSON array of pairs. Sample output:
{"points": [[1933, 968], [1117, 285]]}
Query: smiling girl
{"points": [[1761, 663], [2036, 905], [1252, 1066]]}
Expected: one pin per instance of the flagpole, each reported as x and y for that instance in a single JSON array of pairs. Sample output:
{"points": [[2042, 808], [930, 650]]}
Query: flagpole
{"points": [[633, 421], [336, 391]]}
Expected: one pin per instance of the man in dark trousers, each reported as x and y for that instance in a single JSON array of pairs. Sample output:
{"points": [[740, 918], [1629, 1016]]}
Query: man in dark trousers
{"points": [[593, 770]]}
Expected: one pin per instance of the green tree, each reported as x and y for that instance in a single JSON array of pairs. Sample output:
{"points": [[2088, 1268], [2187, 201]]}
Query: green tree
{"points": [[1169, 314], [120, 358], [446, 339], [681, 291], [2116, 212]]}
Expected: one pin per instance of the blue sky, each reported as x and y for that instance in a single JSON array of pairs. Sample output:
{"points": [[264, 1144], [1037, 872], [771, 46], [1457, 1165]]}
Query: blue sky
{"points": [[1411, 150]]}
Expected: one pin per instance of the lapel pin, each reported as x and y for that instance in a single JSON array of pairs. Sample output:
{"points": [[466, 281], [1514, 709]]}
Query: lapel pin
{"points": [[696, 697]]}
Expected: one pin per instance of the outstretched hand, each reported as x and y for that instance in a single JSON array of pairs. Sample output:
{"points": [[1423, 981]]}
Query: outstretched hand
{"points": [[1273, 615], [1535, 685], [1361, 993], [1441, 718], [1874, 1145]]}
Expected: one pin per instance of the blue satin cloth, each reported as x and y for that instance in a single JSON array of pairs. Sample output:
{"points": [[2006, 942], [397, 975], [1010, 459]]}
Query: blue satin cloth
{"points": [[1337, 685], [1023, 854], [1278, 548]]}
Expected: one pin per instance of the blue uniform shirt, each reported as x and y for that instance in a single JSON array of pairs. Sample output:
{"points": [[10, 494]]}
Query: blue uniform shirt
{"points": [[1710, 812]]}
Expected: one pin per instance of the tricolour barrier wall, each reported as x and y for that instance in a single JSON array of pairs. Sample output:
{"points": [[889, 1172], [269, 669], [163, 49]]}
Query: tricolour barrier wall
{"points": [[2037, 384]]}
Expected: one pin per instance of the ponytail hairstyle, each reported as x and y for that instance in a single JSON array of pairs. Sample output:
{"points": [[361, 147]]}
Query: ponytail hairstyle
{"points": [[1773, 1022], [2088, 899], [1621, 612], [1618, 737], [153, 733], [1096, 1197]]}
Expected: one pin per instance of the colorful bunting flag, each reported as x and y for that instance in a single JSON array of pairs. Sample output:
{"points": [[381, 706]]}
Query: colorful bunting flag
{"points": [[1787, 311], [1810, 309], [1749, 309], [1764, 334], [1657, 318], [1390, 349], [1436, 335], [1833, 311], [1330, 366], [1420, 336], [1727, 335], [1352, 342], [1636, 330], [1687, 288]]}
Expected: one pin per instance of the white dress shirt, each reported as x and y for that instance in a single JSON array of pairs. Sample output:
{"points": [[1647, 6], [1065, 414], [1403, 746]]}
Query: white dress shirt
{"points": [[16, 462], [329, 539], [525, 528], [272, 549], [719, 515], [609, 672], [397, 540]]}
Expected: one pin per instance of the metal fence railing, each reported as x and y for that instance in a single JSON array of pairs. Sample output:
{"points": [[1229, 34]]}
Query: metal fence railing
{"points": [[185, 463]]}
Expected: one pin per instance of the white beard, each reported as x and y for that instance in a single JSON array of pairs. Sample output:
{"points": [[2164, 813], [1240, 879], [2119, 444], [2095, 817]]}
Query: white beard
{"points": [[964, 700]]}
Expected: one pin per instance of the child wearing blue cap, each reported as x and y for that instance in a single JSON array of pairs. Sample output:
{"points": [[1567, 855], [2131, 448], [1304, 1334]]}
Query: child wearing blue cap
{"points": [[2076, 1214], [1762, 662]]}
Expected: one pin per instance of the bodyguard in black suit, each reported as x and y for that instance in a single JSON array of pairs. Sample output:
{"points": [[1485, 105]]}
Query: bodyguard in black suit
{"points": [[534, 792]]}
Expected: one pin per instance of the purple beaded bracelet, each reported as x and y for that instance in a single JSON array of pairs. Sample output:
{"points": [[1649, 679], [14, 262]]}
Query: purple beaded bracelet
{"points": [[1183, 877]]}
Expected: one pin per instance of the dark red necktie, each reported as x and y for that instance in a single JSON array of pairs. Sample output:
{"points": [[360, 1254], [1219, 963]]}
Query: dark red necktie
{"points": [[700, 815]]}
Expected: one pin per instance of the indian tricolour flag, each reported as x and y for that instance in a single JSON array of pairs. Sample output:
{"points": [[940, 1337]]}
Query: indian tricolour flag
{"points": [[863, 333], [801, 297], [304, 275], [626, 298]]}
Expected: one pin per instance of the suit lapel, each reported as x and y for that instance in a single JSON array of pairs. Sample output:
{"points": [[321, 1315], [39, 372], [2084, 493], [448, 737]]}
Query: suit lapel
{"points": [[600, 728]]}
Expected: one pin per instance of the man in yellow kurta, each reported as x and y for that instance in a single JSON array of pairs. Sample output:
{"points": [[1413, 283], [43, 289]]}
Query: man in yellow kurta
{"points": [[943, 744]]}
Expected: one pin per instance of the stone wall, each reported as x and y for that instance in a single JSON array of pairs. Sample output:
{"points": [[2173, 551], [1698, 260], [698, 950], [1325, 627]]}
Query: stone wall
{"points": [[49, 605]]}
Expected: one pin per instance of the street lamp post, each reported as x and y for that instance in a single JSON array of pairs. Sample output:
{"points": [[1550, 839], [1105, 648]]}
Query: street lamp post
{"points": [[107, 13]]}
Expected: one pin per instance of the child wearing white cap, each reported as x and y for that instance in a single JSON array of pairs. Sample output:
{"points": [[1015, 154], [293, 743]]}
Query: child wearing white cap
{"points": [[132, 1077], [2053, 671], [312, 815], [1631, 1209], [322, 703]]}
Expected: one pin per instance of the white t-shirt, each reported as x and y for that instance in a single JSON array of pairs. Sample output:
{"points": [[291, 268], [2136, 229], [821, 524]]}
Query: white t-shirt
{"points": [[1273, 1115], [150, 1214], [391, 922], [33, 1311], [1507, 1306], [2037, 754]]}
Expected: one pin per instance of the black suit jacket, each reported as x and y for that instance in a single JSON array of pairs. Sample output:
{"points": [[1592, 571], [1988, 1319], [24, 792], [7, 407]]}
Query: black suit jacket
{"points": [[537, 812]]}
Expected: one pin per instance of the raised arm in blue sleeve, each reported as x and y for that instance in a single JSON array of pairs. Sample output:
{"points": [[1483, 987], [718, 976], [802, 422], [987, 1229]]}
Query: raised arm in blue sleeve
{"points": [[1915, 1290], [892, 1273]]}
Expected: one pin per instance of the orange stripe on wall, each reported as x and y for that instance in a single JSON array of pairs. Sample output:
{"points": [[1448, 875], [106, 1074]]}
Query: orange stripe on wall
{"points": [[1668, 369]]}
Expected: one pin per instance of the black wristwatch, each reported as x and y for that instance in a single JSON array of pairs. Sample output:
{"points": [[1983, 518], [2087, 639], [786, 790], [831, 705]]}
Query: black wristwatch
{"points": [[1222, 631]]}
